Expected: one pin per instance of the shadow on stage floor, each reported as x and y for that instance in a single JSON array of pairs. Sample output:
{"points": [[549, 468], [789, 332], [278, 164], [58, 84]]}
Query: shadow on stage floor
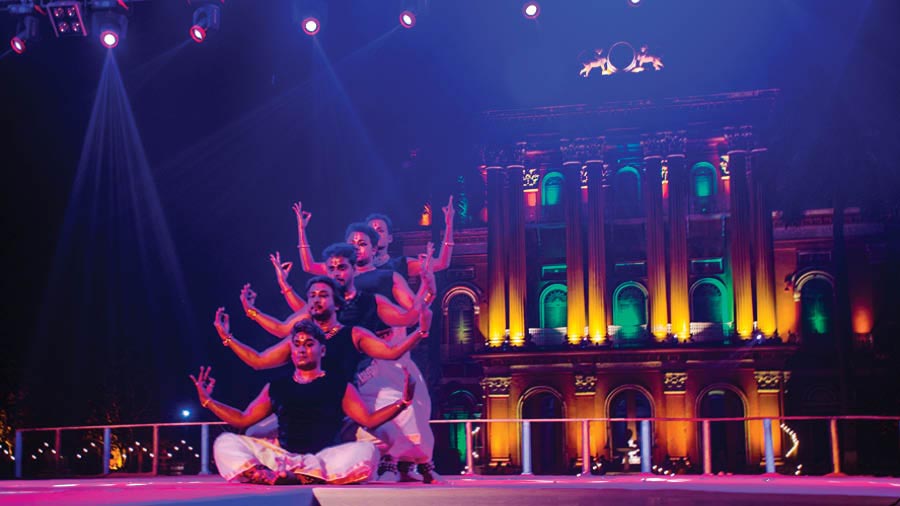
{"points": [[630, 490]]}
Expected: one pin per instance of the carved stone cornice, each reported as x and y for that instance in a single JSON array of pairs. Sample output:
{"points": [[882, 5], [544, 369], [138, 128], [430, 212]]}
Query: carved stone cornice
{"points": [[770, 381], [582, 149], [585, 384], [674, 382], [664, 144], [495, 386], [740, 138]]}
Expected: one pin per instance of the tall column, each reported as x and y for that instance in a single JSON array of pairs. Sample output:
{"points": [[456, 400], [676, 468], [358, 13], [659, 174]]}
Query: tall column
{"points": [[516, 247], [678, 250], [573, 155], [596, 260], [656, 256], [739, 233], [497, 259], [763, 256]]}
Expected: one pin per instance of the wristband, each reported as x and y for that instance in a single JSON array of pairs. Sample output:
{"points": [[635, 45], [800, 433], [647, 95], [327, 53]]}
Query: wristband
{"points": [[205, 403], [226, 342], [252, 313]]}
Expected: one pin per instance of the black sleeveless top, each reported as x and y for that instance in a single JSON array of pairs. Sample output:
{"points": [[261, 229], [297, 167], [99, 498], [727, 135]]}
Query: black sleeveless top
{"points": [[379, 281], [341, 356], [309, 415], [397, 264]]}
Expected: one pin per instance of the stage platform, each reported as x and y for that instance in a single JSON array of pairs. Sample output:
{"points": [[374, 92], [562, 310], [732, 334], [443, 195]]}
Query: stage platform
{"points": [[630, 490]]}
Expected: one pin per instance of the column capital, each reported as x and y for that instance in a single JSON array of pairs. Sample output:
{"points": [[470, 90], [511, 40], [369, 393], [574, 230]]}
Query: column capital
{"points": [[530, 179], [582, 149], [771, 381], [496, 386], [673, 382], [740, 138], [664, 144], [585, 384]]}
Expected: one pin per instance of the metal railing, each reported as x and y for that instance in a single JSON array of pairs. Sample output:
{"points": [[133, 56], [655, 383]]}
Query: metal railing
{"points": [[645, 439]]}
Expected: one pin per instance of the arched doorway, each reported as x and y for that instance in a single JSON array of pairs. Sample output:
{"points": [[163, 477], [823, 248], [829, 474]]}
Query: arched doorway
{"points": [[630, 311], [460, 405], [626, 193], [460, 311], [553, 306], [552, 196], [547, 438], [728, 440], [624, 437], [816, 308]]}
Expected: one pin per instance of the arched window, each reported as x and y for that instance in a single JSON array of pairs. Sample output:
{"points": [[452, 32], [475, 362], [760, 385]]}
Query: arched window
{"points": [[628, 402], [552, 196], [626, 193], [547, 439], [630, 309], [460, 311], [461, 405], [554, 306], [703, 188], [816, 305], [710, 308], [728, 441]]}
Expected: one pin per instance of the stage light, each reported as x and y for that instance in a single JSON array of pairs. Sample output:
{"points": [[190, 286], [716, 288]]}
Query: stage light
{"points": [[18, 45], [311, 26], [634, 3], [407, 19], [112, 27], [207, 17], [26, 30], [67, 18], [185, 413], [531, 10]]}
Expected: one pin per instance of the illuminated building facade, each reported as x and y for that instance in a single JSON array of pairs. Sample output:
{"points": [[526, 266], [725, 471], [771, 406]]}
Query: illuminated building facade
{"points": [[630, 265]]}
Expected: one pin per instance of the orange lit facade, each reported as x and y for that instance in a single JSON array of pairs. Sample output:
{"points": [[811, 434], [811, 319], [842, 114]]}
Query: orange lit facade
{"points": [[634, 266]]}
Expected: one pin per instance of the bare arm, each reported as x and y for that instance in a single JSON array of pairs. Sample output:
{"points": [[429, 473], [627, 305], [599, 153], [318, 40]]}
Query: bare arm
{"points": [[307, 262], [357, 411], [272, 325], [443, 260], [367, 343], [255, 411], [282, 269], [394, 315]]}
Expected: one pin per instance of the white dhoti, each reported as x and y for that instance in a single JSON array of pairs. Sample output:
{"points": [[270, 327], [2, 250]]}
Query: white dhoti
{"points": [[408, 437], [337, 465]]}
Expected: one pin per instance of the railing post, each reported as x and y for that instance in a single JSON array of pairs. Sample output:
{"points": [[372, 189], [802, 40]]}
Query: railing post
{"points": [[646, 446], [204, 449], [470, 460], [154, 469], [526, 448], [107, 449], [57, 447], [835, 447], [707, 451], [585, 447], [18, 454], [770, 448]]}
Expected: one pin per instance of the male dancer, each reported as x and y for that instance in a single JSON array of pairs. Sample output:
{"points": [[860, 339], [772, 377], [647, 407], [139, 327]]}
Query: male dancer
{"points": [[415, 441], [310, 405]]}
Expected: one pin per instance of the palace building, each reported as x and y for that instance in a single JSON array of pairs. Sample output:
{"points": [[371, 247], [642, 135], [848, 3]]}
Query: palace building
{"points": [[629, 263]]}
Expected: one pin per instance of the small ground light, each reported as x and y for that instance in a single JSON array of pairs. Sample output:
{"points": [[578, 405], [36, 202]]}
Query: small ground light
{"points": [[109, 39], [407, 19], [17, 45], [185, 413], [633, 3], [311, 26], [531, 10]]}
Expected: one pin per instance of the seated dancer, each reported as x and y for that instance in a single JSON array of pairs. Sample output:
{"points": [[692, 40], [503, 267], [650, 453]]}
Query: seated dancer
{"points": [[310, 405], [410, 434], [383, 226]]}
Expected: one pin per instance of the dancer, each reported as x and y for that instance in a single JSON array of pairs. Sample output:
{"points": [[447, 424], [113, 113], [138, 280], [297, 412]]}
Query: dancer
{"points": [[310, 405]]}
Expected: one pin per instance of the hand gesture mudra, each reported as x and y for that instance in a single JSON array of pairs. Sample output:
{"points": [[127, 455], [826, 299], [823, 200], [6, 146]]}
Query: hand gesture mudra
{"points": [[204, 383], [449, 211], [282, 269], [409, 387], [302, 216], [222, 324], [248, 297]]}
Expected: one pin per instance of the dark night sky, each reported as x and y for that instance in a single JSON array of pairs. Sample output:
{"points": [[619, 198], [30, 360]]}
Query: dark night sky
{"points": [[239, 127]]}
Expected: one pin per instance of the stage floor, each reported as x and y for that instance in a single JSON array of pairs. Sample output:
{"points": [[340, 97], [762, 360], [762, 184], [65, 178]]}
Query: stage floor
{"points": [[633, 490]]}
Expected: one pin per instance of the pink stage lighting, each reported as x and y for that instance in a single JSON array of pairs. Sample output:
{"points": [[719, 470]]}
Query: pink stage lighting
{"points": [[407, 19], [531, 10], [198, 33], [311, 26], [18, 45], [109, 39]]}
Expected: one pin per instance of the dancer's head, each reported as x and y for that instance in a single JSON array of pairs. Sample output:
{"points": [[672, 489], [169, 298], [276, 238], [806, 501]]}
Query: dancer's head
{"points": [[307, 345], [364, 239], [383, 227], [340, 263], [323, 297]]}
